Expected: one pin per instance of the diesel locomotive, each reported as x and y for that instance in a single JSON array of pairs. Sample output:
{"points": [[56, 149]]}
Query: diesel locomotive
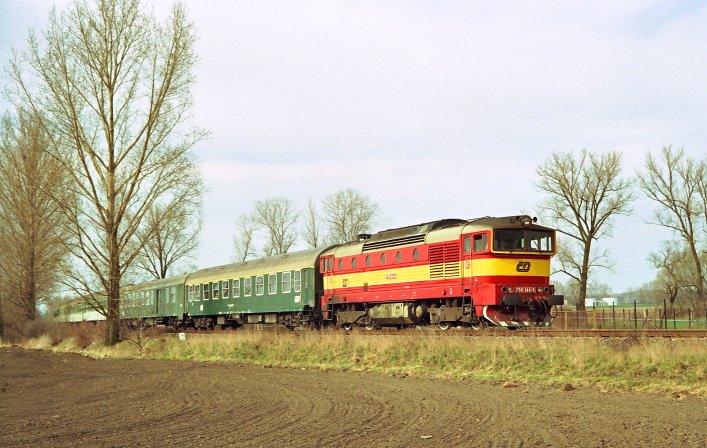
{"points": [[451, 272]]}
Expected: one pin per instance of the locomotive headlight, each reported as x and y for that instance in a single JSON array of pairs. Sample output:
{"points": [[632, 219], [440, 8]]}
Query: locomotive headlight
{"points": [[546, 290], [504, 289]]}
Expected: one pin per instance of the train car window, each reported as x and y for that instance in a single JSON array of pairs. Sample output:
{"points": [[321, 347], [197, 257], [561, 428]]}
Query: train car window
{"points": [[190, 293], [286, 281], [173, 294], [467, 244], [383, 258], [341, 263], [481, 243], [354, 262], [416, 254], [259, 285], [236, 288], [399, 257], [247, 286], [368, 260], [226, 288], [272, 283], [215, 290], [298, 281], [197, 292]]}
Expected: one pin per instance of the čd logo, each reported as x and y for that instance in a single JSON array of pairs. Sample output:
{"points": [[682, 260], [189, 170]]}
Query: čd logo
{"points": [[523, 266]]}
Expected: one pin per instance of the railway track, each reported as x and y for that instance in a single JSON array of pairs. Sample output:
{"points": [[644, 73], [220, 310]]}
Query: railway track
{"points": [[526, 332]]}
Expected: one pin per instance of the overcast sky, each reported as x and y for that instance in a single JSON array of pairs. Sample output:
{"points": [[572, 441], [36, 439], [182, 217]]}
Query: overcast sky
{"points": [[433, 109]]}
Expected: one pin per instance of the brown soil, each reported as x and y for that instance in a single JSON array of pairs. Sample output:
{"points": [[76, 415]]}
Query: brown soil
{"points": [[68, 400]]}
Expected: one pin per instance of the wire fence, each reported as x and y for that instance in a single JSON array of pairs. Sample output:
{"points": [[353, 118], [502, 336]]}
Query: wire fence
{"points": [[631, 317]]}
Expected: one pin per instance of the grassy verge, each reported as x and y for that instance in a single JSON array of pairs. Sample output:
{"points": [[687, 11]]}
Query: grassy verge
{"points": [[658, 365]]}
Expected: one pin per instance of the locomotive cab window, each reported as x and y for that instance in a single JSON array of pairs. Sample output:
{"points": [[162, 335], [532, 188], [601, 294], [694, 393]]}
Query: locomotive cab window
{"points": [[522, 240], [539, 240], [481, 243], [467, 244]]}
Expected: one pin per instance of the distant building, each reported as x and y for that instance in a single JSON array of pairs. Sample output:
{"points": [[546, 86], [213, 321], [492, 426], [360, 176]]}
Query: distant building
{"points": [[610, 301], [590, 302]]}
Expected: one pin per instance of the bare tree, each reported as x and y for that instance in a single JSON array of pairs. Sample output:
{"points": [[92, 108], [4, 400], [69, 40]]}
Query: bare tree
{"points": [[175, 233], [243, 242], [32, 249], [114, 85], [311, 232], [278, 217], [584, 194], [347, 213], [675, 183], [668, 261]]}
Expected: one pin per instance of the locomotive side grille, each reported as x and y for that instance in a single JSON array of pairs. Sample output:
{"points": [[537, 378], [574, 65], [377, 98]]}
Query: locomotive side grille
{"points": [[373, 245], [444, 260]]}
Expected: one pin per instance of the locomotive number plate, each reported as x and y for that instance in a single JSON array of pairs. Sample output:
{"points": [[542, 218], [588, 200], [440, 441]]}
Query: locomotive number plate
{"points": [[524, 289]]}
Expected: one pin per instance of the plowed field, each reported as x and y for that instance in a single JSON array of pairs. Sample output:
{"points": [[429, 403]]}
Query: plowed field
{"points": [[68, 400]]}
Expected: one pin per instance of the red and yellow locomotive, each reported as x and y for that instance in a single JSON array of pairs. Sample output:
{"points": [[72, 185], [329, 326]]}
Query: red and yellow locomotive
{"points": [[452, 272]]}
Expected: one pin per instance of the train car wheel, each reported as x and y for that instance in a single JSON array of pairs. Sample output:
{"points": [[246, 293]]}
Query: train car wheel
{"points": [[371, 326], [348, 326], [444, 326]]}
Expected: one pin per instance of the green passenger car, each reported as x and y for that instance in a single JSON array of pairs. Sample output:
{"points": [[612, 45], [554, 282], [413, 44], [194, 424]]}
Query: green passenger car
{"points": [[280, 289], [160, 301]]}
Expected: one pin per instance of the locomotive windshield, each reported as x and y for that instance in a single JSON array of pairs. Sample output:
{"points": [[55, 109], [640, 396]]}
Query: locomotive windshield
{"points": [[522, 240]]}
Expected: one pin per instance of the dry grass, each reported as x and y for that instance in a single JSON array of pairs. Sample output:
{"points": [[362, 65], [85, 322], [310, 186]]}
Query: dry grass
{"points": [[635, 364]]}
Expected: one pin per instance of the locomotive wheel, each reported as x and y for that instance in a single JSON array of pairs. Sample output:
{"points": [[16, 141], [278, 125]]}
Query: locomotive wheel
{"points": [[444, 326], [348, 326], [371, 326]]}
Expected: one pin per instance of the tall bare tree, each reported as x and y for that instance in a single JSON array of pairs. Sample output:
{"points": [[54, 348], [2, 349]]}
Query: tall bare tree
{"points": [[114, 85], [347, 213], [585, 193], [668, 261], [32, 251], [278, 217], [675, 182], [174, 233], [311, 232], [244, 240]]}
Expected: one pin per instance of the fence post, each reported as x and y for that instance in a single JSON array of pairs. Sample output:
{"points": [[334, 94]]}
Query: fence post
{"points": [[601, 323], [613, 314], [689, 318], [564, 320], [675, 326], [635, 316], [665, 313]]}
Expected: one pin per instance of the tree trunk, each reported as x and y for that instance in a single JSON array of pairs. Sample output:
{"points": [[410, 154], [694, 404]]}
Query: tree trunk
{"points": [[113, 304], [698, 273], [583, 278]]}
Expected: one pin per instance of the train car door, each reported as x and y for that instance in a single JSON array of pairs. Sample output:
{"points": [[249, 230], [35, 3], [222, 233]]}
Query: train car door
{"points": [[466, 267]]}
